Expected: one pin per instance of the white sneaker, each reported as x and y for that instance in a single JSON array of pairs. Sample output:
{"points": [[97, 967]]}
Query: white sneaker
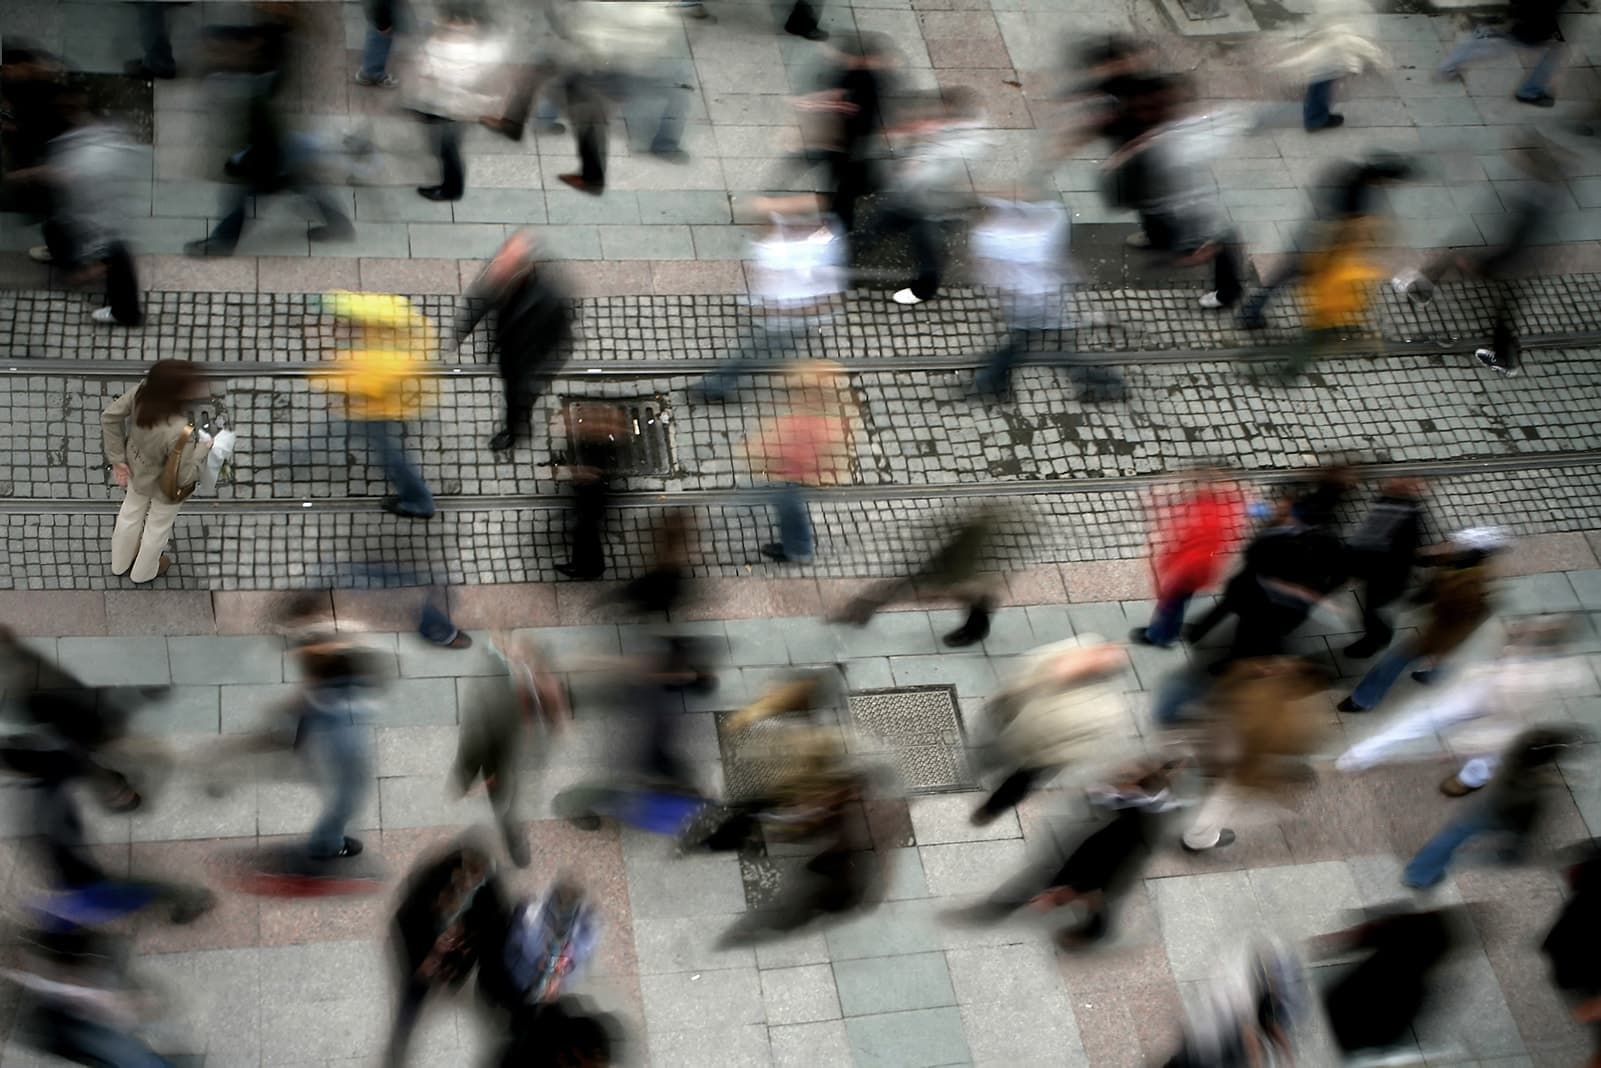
{"points": [[906, 296], [41, 254], [1138, 239], [103, 315], [1211, 301]]}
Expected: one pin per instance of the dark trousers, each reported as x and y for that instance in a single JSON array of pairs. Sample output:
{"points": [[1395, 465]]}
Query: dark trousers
{"points": [[408, 1005], [926, 237], [225, 237], [1227, 272], [1016, 786], [1382, 584], [122, 286], [1315, 112], [523, 384], [591, 138], [447, 145], [850, 177], [154, 39], [802, 18], [588, 557]]}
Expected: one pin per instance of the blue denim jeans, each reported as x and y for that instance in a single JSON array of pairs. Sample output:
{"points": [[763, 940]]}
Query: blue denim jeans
{"points": [[1488, 43], [1381, 676], [434, 624], [794, 524], [337, 741], [1166, 620], [1429, 865], [386, 437], [375, 52], [1315, 109], [1178, 690], [772, 337]]}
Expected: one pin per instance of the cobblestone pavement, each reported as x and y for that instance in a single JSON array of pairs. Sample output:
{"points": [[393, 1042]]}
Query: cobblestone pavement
{"points": [[741, 124], [264, 981]]}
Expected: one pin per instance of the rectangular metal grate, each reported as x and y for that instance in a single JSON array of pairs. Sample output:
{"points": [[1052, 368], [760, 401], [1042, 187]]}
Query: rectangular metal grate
{"points": [[918, 729], [637, 433]]}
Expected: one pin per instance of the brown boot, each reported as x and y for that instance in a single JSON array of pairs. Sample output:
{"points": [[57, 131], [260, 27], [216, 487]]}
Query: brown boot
{"points": [[161, 568], [1453, 786]]}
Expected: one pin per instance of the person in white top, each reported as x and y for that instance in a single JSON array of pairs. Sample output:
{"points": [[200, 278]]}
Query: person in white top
{"points": [[456, 70]]}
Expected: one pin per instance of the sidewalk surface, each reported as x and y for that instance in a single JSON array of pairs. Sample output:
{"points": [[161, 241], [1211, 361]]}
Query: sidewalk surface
{"points": [[278, 982]]}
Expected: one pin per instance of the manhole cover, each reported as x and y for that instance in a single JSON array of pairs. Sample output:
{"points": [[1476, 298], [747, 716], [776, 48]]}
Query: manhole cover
{"points": [[919, 730], [630, 437]]}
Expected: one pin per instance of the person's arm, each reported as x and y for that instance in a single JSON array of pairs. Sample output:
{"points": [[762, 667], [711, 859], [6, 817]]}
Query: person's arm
{"points": [[114, 434], [474, 306]]}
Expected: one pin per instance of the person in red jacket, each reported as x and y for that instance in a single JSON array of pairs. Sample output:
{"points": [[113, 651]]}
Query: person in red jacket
{"points": [[1193, 532]]}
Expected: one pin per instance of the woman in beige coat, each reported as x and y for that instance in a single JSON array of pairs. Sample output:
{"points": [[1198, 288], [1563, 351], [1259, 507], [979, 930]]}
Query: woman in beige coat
{"points": [[141, 429]]}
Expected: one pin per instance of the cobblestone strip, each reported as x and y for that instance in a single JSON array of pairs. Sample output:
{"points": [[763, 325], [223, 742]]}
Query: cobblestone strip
{"points": [[281, 326], [911, 428], [227, 551]]}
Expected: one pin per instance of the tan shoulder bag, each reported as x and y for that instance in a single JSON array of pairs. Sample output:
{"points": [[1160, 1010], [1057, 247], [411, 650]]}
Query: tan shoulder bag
{"points": [[174, 464]]}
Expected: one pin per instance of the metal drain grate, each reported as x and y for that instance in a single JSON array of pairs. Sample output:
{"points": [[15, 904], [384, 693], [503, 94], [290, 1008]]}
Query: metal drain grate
{"points": [[631, 437], [919, 730]]}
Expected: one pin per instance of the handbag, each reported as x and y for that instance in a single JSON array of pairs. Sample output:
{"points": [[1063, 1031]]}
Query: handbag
{"points": [[169, 471]]}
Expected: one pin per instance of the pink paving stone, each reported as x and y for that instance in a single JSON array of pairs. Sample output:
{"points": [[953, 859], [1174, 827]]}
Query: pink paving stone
{"points": [[957, 24], [834, 594], [257, 611], [303, 274], [1107, 580], [607, 278], [999, 92], [339, 918], [1538, 553], [410, 276], [670, 277], [733, 598], [889, 823], [17, 271], [1339, 817], [380, 610], [1108, 1026], [1036, 585], [145, 612], [232, 274], [504, 605], [233, 924], [57, 613], [1261, 844], [969, 53], [1135, 958], [581, 603]]}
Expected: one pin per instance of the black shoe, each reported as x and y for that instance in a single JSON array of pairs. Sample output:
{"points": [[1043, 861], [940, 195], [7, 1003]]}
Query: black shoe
{"points": [[1225, 838], [1349, 705], [577, 182], [351, 848], [1423, 677], [393, 507], [1333, 122], [1361, 649], [1139, 637], [775, 552], [1544, 100], [502, 441], [813, 34], [573, 572], [339, 231], [670, 155], [204, 248], [438, 192], [975, 630]]}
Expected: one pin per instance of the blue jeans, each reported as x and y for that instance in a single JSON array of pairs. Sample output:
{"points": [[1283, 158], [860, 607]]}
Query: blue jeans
{"points": [[996, 377], [1176, 691], [434, 624], [387, 438], [1163, 630], [1428, 867], [1488, 43], [1315, 109], [1381, 676], [794, 524], [338, 747], [375, 52], [154, 39]]}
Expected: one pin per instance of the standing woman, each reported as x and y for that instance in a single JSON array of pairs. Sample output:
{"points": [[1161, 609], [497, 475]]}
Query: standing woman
{"points": [[142, 429]]}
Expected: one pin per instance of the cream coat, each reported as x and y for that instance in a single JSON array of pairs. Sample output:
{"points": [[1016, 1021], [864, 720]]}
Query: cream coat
{"points": [[145, 449], [1046, 724]]}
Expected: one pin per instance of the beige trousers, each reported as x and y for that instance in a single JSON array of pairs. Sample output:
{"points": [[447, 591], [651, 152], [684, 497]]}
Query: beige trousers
{"points": [[144, 525]]}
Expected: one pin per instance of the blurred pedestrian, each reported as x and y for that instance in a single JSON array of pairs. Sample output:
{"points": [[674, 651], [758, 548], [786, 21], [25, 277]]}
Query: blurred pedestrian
{"points": [[452, 914], [1247, 1013], [564, 1033], [850, 102], [952, 572], [1338, 285], [1510, 807], [498, 714], [1569, 946], [596, 433], [1381, 553], [804, 447], [1351, 190], [33, 112], [1458, 599], [666, 583], [802, 21], [1375, 1005], [254, 61], [82, 187], [1130, 811], [387, 339], [383, 17], [1191, 533], [1338, 44], [454, 84], [549, 941], [156, 454], [798, 274], [1062, 708], [925, 186], [1263, 726], [533, 322], [1534, 25], [334, 734], [1478, 714], [155, 41]]}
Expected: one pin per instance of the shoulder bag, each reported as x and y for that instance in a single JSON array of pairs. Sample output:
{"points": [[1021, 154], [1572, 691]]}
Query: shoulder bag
{"points": [[170, 470]]}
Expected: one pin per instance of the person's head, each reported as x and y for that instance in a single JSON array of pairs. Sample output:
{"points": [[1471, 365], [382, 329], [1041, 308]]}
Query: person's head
{"points": [[515, 258], [166, 392]]}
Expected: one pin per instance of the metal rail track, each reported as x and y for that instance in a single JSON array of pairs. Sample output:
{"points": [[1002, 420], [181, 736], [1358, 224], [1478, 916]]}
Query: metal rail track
{"points": [[844, 494], [649, 368]]}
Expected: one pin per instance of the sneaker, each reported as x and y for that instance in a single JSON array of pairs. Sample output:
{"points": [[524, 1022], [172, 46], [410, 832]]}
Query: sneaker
{"points": [[41, 254], [775, 552], [1137, 636], [1544, 100], [1333, 122], [1413, 286], [1453, 786], [1488, 358], [1225, 837], [670, 155], [103, 315], [1138, 239], [906, 296], [1211, 301], [351, 848], [382, 81]]}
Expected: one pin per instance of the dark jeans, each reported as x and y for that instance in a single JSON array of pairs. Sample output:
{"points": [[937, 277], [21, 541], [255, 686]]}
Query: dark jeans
{"points": [[122, 286], [1227, 271], [154, 40], [434, 624], [447, 145], [996, 377], [1315, 108], [1167, 619], [1429, 865], [927, 239], [225, 236], [81, 1040], [802, 18], [850, 175], [1383, 582], [387, 438], [588, 556]]}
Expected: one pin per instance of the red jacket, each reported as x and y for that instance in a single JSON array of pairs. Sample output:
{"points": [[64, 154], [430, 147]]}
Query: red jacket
{"points": [[1192, 535]]}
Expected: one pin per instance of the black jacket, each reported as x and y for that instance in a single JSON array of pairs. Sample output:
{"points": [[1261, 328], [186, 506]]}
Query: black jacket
{"points": [[532, 318], [419, 922]]}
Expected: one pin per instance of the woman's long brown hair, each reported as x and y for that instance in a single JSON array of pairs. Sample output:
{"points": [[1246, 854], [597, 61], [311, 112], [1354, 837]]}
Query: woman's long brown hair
{"points": [[164, 393]]}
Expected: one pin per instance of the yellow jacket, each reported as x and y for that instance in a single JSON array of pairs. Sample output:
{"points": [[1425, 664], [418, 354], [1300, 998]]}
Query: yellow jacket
{"points": [[1339, 288], [391, 341]]}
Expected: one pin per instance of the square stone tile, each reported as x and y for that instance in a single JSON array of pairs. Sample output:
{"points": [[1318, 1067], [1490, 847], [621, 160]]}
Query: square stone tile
{"points": [[702, 1001], [1202, 918], [893, 984], [687, 944], [799, 995], [121, 661], [227, 659], [1040, 1031], [723, 1047], [908, 1039], [806, 1045], [971, 869], [947, 818]]}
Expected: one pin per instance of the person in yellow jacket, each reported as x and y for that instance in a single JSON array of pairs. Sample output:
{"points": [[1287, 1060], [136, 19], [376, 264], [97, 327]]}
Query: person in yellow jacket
{"points": [[1338, 288], [388, 340]]}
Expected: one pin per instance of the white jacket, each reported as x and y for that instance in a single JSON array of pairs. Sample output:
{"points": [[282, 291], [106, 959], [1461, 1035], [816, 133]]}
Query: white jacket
{"points": [[1051, 725], [459, 75]]}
